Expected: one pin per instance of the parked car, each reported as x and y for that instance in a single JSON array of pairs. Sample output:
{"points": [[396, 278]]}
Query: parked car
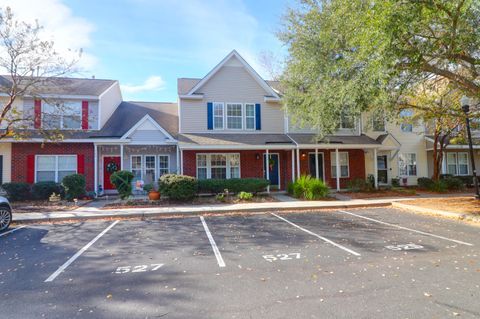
{"points": [[5, 214]]}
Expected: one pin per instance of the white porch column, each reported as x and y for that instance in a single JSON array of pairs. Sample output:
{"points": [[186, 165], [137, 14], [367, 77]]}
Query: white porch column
{"points": [[181, 162], [337, 168], [267, 168], [293, 165], [95, 168], [317, 173], [121, 157], [178, 161], [444, 163], [298, 162], [375, 167]]}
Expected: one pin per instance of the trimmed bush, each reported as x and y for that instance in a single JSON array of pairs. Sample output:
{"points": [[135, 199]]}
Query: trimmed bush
{"points": [[309, 188], [245, 196], [17, 191], [234, 185], [425, 183], [454, 183], [439, 186], [395, 182], [43, 190], [123, 183], [178, 187], [360, 185], [75, 186]]}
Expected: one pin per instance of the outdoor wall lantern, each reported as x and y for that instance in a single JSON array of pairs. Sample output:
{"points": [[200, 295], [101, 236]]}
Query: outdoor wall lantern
{"points": [[257, 156]]}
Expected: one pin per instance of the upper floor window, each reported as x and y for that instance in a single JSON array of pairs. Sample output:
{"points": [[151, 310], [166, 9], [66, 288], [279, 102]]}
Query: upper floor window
{"points": [[67, 115], [218, 116], [347, 121], [406, 116], [250, 116], [234, 116], [378, 122]]}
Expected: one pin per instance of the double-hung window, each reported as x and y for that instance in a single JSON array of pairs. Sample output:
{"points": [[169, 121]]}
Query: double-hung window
{"points": [[457, 163], [407, 164], [66, 115], [347, 121], [218, 116], [53, 168], [249, 116], [218, 166], [150, 169], [406, 126], [163, 165], [379, 122], [136, 167], [234, 116], [344, 165]]}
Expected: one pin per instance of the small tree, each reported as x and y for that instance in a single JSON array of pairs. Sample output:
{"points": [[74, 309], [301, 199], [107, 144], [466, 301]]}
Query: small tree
{"points": [[30, 64], [123, 183]]}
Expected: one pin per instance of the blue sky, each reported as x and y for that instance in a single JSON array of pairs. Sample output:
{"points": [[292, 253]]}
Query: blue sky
{"points": [[148, 44]]}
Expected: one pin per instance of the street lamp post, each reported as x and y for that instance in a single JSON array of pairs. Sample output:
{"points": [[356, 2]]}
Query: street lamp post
{"points": [[466, 109]]}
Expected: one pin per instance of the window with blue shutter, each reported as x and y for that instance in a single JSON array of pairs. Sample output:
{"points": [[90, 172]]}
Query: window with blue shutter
{"points": [[210, 115], [258, 117]]}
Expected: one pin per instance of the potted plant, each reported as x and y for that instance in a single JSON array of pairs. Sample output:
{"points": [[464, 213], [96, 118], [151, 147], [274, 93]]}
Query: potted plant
{"points": [[153, 194]]}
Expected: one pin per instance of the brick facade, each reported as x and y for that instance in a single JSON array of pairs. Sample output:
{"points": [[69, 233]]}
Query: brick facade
{"points": [[21, 151], [249, 165], [356, 161]]}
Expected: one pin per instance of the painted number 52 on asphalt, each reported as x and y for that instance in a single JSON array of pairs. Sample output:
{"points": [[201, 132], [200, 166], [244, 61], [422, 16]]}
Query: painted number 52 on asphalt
{"points": [[272, 258]]}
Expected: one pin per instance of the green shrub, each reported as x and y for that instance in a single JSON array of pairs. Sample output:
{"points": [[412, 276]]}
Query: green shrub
{"points": [[425, 183], [360, 185], [245, 196], [43, 190], [123, 183], [178, 187], [395, 182], [467, 180], [17, 191], [290, 188], [309, 188], [75, 186], [454, 183], [439, 186], [371, 181], [220, 197], [148, 187], [234, 185]]}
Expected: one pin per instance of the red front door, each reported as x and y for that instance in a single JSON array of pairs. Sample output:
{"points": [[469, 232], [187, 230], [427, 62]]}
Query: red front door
{"points": [[109, 163]]}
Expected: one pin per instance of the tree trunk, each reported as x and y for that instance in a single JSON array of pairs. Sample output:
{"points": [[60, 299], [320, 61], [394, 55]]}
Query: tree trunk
{"points": [[437, 159]]}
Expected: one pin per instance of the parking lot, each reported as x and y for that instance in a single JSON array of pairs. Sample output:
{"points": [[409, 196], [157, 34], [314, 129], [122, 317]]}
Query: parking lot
{"points": [[359, 263]]}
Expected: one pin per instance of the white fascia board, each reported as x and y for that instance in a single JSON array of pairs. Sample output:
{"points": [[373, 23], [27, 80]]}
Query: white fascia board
{"points": [[247, 66], [272, 99], [63, 96], [191, 97], [236, 147], [339, 146], [143, 120]]}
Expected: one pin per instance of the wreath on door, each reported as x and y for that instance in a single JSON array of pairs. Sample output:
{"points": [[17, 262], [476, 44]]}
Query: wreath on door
{"points": [[271, 164], [112, 167]]}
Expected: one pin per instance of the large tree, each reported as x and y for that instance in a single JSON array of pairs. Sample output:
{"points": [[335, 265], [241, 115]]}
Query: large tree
{"points": [[356, 54], [28, 64]]}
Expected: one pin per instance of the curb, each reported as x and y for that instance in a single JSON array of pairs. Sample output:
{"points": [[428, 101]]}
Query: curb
{"points": [[145, 215], [431, 211]]}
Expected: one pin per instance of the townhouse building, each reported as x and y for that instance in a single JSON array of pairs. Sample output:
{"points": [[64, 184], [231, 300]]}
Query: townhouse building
{"points": [[229, 124]]}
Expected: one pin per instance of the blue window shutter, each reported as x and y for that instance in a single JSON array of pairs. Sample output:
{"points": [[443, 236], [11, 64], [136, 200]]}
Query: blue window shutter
{"points": [[258, 117], [210, 115]]}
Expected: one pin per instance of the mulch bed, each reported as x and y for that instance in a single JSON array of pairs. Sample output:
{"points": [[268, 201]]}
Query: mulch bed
{"points": [[468, 205], [381, 194], [44, 206], [206, 200]]}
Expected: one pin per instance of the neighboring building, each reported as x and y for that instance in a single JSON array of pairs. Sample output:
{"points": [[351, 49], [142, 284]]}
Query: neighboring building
{"points": [[229, 124]]}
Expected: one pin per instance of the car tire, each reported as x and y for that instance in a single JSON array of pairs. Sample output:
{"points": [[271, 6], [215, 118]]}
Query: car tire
{"points": [[5, 218]]}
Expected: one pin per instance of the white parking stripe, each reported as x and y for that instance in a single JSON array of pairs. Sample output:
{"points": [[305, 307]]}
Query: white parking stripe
{"points": [[220, 261], [11, 231], [79, 253], [318, 236], [406, 228]]}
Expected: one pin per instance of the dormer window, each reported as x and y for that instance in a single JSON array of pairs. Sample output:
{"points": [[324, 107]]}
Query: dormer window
{"points": [[66, 115], [347, 121]]}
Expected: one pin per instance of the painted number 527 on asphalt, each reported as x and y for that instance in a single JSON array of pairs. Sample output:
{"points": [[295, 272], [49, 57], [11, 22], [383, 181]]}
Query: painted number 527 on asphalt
{"points": [[139, 268], [272, 258]]}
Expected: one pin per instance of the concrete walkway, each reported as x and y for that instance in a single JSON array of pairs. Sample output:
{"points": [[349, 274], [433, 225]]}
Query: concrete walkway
{"points": [[91, 212]]}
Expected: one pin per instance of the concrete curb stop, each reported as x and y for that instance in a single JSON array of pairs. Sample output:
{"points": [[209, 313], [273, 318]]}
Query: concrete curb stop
{"points": [[437, 212]]}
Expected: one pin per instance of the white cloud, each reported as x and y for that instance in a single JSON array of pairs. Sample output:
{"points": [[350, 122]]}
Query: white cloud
{"points": [[152, 83], [69, 32]]}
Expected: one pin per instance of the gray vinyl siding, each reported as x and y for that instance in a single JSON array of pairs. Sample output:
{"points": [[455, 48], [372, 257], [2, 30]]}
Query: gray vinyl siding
{"points": [[231, 84], [147, 136]]}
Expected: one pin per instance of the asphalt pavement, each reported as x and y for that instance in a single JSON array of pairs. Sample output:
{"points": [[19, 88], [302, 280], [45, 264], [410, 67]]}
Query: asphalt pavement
{"points": [[356, 263]]}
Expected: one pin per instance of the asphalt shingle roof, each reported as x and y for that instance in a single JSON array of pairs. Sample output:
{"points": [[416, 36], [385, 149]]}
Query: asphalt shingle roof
{"points": [[305, 139], [234, 139]]}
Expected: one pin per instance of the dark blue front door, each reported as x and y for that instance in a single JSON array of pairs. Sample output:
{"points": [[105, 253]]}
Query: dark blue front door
{"points": [[272, 165]]}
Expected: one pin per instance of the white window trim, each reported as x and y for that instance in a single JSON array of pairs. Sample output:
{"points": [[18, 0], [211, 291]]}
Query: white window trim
{"points": [[402, 125], [242, 116], [457, 163], [209, 164], [416, 165], [56, 164], [144, 167], [168, 163], [62, 114], [223, 116], [355, 119], [333, 164], [141, 164], [245, 116], [384, 125]]}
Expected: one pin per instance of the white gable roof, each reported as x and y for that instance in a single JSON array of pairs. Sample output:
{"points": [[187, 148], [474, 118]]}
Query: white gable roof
{"points": [[147, 123], [239, 61]]}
